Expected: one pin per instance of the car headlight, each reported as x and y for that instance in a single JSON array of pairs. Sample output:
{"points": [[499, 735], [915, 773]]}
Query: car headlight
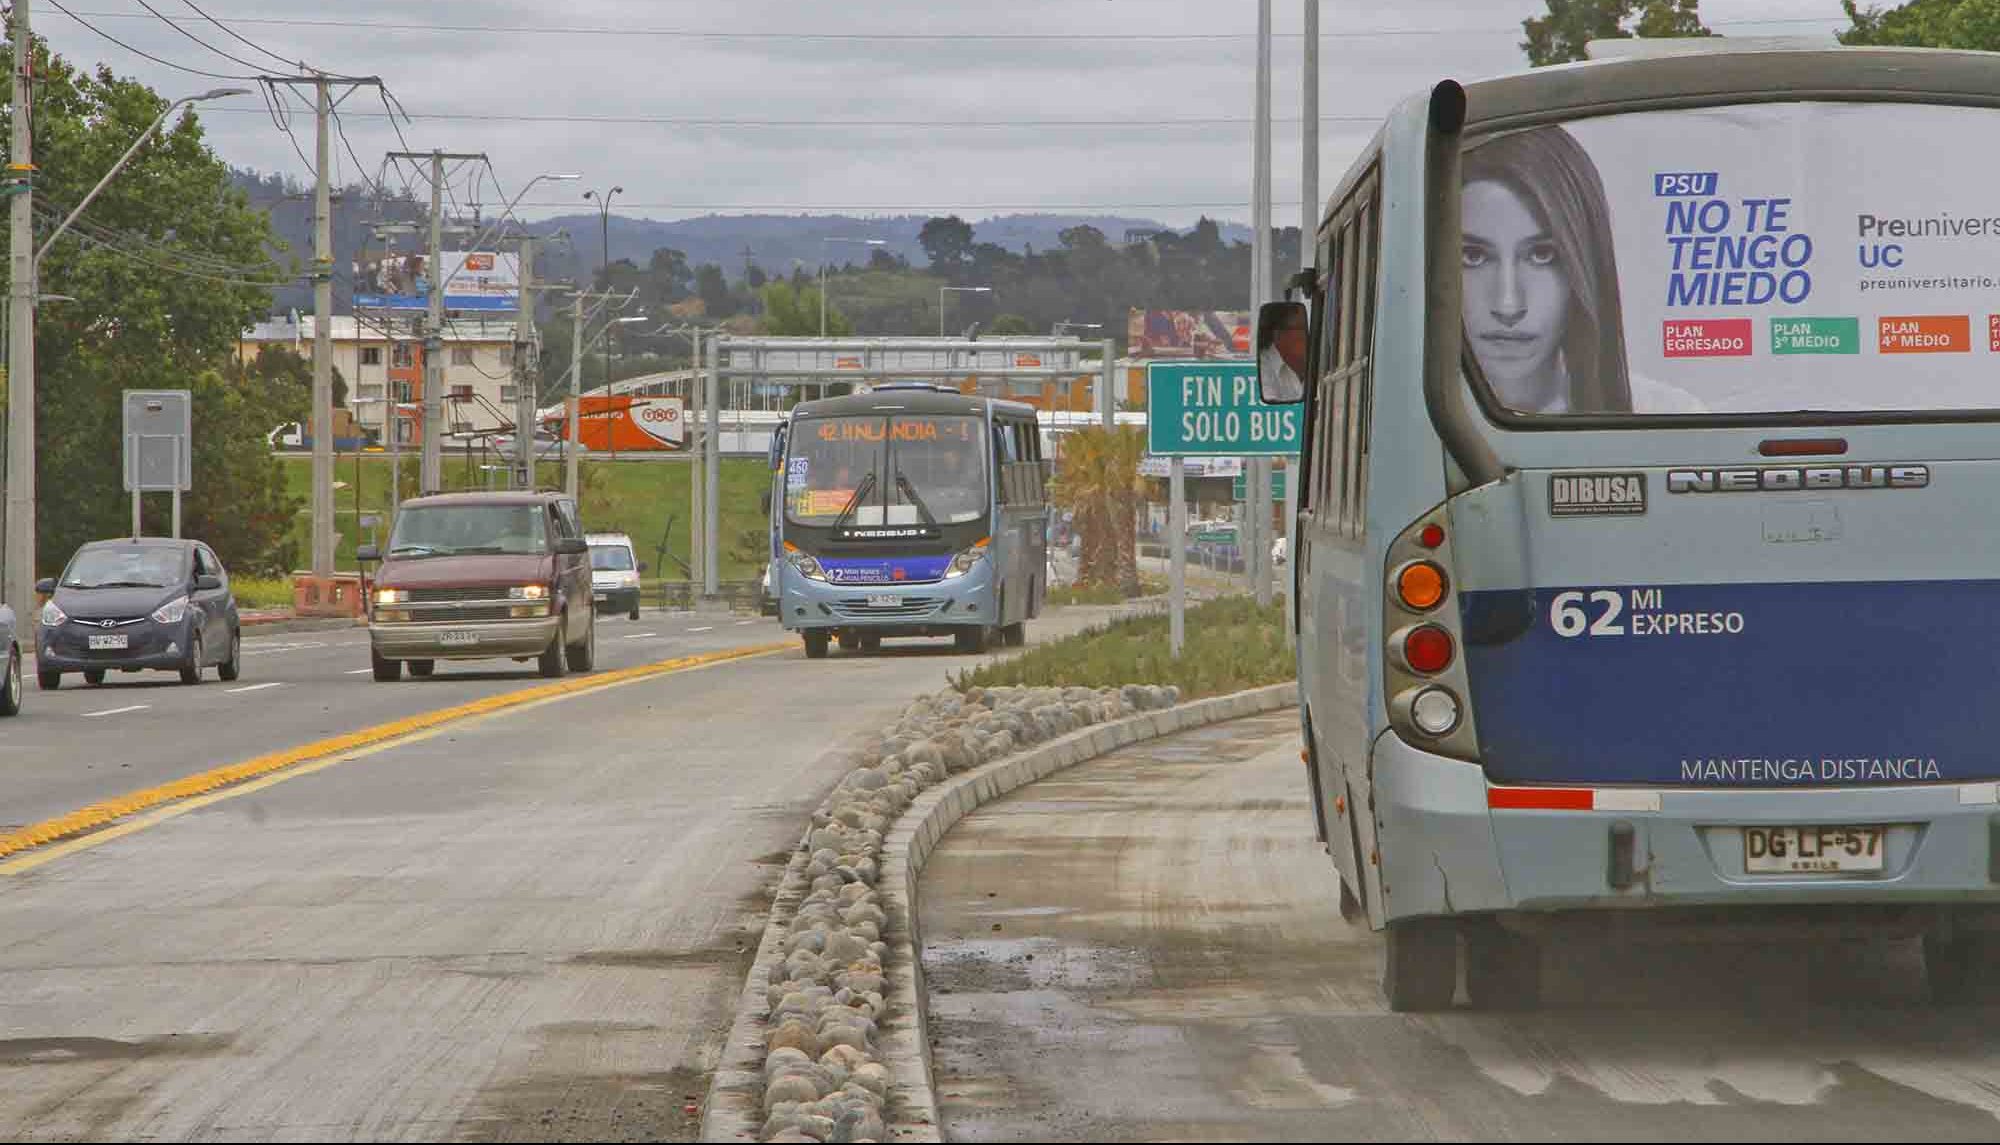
{"points": [[966, 561], [806, 565], [172, 612], [391, 596], [529, 592], [52, 616]]}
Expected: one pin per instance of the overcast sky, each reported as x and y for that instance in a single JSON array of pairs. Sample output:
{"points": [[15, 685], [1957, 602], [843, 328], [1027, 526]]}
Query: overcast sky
{"points": [[882, 108]]}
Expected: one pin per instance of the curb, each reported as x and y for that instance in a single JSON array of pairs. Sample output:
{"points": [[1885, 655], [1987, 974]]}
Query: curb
{"points": [[278, 625], [733, 1110]]}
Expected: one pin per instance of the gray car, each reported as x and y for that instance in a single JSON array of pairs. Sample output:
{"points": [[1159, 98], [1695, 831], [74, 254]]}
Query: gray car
{"points": [[133, 605]]}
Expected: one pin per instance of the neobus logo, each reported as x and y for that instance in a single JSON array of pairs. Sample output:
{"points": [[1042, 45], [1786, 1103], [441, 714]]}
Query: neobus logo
{"points": [[1788, 478]]}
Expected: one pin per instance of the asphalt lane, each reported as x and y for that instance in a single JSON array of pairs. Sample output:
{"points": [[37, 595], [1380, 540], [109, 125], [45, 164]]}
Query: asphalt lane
{"points": [[1147, 947], [81, 744], [528, 926]]}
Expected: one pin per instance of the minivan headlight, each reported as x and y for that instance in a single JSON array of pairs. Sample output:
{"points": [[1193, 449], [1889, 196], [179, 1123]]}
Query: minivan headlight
{"points": [[391, 596], [52, 616], [529, 592], [966, 561], [172, 612]]}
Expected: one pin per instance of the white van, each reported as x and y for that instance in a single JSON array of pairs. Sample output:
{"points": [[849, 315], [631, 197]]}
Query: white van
{"points": [[614, 573]]}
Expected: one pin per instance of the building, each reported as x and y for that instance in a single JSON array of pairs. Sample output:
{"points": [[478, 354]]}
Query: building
{"points": [[375, 358]]}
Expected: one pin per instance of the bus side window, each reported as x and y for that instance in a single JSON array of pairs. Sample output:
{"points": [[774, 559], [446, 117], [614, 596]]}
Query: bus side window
{"points": [[1345, 397], [1326, 447]]}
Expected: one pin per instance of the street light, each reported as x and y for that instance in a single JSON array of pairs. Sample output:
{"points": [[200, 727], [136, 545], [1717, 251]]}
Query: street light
{"points": [[944, 290], [822, 271], [17, 583], [604, 226]]}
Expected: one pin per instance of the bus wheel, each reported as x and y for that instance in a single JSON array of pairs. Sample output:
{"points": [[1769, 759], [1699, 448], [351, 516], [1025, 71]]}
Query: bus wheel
{"points": [[1503, 970], [1014, 635], [849, 642], [816, 643], [1951, 967], [1420, 964], [970, 639]]}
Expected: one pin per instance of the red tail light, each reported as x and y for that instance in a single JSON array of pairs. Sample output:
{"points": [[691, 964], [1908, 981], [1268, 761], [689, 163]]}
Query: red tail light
{"points": [[1428, 649], [1431, 537]]}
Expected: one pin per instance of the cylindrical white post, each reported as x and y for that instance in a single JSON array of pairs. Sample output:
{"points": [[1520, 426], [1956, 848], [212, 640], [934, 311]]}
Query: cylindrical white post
{"points": [[711, 523], [1257, 498], [1177, 571], [1308, 253]]}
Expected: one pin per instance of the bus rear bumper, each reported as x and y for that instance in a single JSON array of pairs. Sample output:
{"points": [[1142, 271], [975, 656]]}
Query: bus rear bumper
{"points": [[1447, 849]]}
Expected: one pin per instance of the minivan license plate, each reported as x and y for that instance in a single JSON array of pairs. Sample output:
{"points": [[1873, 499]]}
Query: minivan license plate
{"points": [[1794, 850], [461, 637], [105, 643], [880, 601]]}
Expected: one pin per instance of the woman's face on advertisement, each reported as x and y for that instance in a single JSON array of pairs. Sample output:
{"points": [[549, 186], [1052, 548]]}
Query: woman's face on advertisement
{"points": [[1516, 289]]}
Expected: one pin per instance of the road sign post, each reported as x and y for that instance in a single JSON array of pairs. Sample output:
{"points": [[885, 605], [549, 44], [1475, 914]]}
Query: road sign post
{"points": [[159, 431], [1211, 409]]}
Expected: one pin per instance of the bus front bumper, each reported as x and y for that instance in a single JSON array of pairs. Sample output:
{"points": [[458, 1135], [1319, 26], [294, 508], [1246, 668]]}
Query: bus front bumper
{"points": [[933, 608], [1446, 849]]}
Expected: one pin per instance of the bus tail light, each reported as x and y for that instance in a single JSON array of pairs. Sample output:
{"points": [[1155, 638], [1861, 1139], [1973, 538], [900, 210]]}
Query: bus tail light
{"points": [[1421, 586], [1425, 649], [1424, 675], [1434, 711]]}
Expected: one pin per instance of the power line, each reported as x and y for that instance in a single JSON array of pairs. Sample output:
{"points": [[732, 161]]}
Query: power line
{"points": [[928, 37], [182, 271], [838, 124], [919, 208], [57, 4], [54, 212], [164, 19], [231, 32]]}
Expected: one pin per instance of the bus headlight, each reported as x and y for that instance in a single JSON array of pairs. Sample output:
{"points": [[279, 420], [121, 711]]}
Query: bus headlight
{"points": [[966, 561], [806, 565]]}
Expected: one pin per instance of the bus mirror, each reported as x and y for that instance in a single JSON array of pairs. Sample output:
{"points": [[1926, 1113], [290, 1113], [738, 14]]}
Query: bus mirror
{"points": [[1281, 352]]}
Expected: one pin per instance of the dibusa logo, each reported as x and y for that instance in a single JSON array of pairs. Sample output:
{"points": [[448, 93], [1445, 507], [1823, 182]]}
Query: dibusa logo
{"points": [[1597, 494]]}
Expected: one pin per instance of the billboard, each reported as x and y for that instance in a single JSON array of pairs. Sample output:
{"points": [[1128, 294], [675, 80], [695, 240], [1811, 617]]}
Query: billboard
{"points": [[627, 423], [474, 280], [1760, 259], [1188, 334]]}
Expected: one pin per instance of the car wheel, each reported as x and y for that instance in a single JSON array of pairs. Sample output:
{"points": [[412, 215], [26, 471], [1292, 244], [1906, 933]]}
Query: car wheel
{"points": [[422, 669], [386, 671], [48, 680], [551, 661], [582, 657], [231, 668], [93, 676], [10, 693], [191, 671]]}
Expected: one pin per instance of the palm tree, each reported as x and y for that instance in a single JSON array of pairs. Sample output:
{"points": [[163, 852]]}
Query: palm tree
{"points": [[1098, 480]]}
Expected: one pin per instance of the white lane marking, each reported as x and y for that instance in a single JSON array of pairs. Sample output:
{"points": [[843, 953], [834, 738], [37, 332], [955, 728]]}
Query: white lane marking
{"points": [[256, 688], [741, 623], [261, 650], [709, 628], [639, 635], [361, 671], [116, 711]]}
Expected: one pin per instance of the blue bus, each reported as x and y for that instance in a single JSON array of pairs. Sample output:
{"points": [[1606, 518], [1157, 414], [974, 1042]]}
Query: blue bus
{"points": [[909, 510], [1650, 414]]}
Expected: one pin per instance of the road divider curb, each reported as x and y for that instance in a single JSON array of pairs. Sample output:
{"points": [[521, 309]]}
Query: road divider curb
{"points": [[740, 1106], [102, 814]]}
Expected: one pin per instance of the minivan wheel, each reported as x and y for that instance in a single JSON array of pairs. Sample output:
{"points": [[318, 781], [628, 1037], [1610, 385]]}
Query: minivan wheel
{"points": [[582, 657], [551, 660], [386, 671], [191, 671], [10, 693], [422, 669]]}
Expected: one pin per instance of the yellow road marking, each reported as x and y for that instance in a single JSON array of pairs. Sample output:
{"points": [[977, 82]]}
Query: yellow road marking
{"points": [[319, 754]]}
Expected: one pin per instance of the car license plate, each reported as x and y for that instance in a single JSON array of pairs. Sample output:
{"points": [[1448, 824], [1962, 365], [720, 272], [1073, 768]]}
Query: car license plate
{"points": [[460, 637], [109, 642], [884, 601], [601, 597], [1793, 850]]}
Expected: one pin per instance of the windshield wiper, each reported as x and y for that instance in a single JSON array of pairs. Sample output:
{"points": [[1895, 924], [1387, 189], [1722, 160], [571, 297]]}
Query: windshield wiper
{"points": [[414, 550], [910, 491], [854, 502], [115, 584]]}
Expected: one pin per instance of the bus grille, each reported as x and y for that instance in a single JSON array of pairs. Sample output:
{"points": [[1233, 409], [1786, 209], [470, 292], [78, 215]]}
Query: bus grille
{"points": [[912, 608]]}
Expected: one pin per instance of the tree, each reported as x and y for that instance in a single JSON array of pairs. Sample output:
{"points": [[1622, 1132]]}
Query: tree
{"points": [[167, 268], [713, 290], [1560, 37], [792, 311], [1007, 325], [1969, 24], [948, 243], [1097, 479], [240, 504]]}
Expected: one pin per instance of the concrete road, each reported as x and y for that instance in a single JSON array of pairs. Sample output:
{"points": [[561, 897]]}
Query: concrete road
{"points": [[529, 926], [1146, 947], [72, 747]]}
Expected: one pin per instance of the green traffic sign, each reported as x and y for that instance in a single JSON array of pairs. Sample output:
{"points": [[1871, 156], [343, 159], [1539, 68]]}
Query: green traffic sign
{"points": [[1239, 489], [1211, 409], [1216, 537]]}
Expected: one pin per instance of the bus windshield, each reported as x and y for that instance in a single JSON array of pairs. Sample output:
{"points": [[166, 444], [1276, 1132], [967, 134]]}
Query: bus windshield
{"points": [[1765, 259], [887, 469]]}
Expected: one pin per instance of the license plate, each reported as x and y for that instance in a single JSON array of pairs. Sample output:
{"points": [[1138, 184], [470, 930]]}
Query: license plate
{"points": [[460, 637], [879, 601], [108, 642], [1793, 850], [601, 597]]}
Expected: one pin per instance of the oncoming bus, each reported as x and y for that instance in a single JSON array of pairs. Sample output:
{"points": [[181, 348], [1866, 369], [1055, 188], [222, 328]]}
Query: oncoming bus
{"points": [[909, 510], [1640, 576]]}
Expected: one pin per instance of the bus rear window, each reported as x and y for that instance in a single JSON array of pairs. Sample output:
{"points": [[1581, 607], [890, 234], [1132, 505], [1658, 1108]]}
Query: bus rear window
{"points": [[1757, 259]]}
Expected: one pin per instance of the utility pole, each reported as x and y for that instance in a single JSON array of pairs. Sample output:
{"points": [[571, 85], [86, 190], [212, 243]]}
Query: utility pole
{"points": [[575, 391], [20, 555], [431, 469], [322, 275], [525, 359], [1308, 252], [1258, 472], [697, 503]]}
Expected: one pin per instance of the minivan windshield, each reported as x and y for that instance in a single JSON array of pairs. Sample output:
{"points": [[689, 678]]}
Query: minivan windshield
{"points": [[611, 558], [126, 566], [1766, 259], [455, 530]]}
